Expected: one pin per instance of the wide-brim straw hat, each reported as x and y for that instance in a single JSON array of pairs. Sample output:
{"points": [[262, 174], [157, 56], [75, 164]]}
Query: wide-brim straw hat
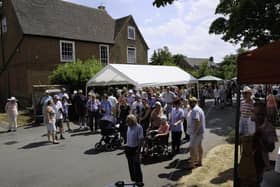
{"points": [[12, 99], [193, 100], [247, 89]]}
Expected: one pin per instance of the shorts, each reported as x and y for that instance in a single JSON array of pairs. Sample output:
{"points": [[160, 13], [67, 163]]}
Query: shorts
{"points": [[51, 127], [195, 141], [58, 123]]}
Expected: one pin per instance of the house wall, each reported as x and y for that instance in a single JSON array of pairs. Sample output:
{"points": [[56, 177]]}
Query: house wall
{"points": [[119, 50], [10, 40]]}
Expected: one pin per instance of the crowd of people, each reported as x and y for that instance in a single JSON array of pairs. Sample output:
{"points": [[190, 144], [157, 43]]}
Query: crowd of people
{"points": [[160, 112], [139, 113]]}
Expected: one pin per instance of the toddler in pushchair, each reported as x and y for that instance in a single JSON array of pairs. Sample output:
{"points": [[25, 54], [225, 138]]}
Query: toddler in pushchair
{"points": [[110, 139]]}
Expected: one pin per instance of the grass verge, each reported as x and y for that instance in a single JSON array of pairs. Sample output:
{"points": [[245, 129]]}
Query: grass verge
{"points": [[217, 169], [24, 118]]}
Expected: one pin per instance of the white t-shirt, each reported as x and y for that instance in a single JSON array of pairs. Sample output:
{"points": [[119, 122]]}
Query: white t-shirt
{"points": [[57, 107], [113, 100]]}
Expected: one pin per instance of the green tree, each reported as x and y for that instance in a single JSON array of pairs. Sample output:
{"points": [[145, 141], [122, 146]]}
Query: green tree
{"points": [[162, 57], [248, 22], [203, 70], [75, 74]]}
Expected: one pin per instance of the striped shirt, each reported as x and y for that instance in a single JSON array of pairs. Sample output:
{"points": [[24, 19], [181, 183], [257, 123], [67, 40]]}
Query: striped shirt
{"points": [[246, 109]]}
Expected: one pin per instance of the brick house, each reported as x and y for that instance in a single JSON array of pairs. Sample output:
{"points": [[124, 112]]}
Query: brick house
{"points": [[40, 34]]}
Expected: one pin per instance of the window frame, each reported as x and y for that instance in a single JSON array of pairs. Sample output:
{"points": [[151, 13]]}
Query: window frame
{"points": [[135, 55], [73, 52], [132, 28], [108, 53]]}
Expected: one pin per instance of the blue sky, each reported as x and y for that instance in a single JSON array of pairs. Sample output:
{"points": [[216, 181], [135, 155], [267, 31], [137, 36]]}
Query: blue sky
{"points": [[182, 26]]}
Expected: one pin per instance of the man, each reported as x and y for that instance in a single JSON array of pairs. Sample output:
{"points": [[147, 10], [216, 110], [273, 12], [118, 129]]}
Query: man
{"points": [[113, 101], [168, 98], [134, 142], [59, 115], [93, 107], [176, 125], [81, 109], [196, 123]]}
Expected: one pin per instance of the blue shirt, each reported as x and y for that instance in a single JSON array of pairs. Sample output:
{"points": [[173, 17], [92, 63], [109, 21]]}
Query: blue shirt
{"points": [[176, 115], [134, 135], [106, 107]]}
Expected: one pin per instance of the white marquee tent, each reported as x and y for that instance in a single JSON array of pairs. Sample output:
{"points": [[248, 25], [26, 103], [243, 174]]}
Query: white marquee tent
{"points": [[210, 78], [141, 76]]}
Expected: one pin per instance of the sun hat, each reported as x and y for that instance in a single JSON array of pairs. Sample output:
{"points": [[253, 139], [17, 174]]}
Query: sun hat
{"points": [[247, 89], [193, 99], [55, 97], [12, 99], [80, 91], [158, 103]]}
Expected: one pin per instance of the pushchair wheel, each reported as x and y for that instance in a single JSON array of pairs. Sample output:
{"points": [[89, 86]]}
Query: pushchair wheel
{"points": [[98, 146], [109, 147]]}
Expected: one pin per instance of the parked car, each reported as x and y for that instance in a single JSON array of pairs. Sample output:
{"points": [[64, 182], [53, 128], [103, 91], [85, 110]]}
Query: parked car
{"points": [[39, 96]]}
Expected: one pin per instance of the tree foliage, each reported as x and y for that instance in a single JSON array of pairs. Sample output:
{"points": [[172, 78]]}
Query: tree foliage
{"points": [[248, 22], [159, 3], [162, 57], [75, 74]]}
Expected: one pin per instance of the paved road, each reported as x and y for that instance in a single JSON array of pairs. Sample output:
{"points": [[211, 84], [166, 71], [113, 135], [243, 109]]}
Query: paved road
{"points": [[26, 160]]}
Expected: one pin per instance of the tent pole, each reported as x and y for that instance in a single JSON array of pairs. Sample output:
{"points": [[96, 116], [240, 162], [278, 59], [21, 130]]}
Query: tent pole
{"points": [[236, 181]]}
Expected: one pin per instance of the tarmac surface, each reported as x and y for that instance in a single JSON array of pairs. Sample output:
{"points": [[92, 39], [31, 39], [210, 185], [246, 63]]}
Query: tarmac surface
{"points": [[27, 160]]}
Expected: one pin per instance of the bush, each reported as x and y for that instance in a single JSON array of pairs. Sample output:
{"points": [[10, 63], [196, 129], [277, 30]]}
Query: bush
{"points": [[75, 74]]}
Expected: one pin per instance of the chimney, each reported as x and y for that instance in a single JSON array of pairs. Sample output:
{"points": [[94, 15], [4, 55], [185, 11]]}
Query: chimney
{"points": [[102, 7]]}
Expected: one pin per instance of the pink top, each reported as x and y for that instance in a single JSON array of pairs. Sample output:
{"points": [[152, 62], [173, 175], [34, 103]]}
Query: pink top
{"points": [[163, 129], [271, 101], [11, 108]]}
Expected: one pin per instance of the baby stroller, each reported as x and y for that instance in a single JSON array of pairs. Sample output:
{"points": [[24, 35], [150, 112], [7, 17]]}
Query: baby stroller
{"points": [[110, 139], [156, 147]]}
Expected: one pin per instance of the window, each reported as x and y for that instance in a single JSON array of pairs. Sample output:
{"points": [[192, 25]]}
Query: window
{"points": [[104, 54], [67, 51], [131, 55], [4, 25], [131, 33]]}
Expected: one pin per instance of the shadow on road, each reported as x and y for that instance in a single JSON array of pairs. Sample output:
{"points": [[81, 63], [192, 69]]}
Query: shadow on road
{"points": [[88, 133], [35, 145], [220, 121], [181, 167], [11, 142], [92, 151], [32, 125], [223, 177]]}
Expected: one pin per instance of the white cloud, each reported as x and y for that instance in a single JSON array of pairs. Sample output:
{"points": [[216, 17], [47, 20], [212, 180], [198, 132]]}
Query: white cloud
{"points": [[186, 32]]}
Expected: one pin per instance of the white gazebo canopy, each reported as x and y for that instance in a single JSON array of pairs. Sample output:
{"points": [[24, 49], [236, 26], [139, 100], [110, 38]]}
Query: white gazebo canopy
{"points": [[210, 78], [141, 76]]}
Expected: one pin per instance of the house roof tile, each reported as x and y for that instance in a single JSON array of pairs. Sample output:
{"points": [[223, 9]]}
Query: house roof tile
{"points": [[56, 18]]}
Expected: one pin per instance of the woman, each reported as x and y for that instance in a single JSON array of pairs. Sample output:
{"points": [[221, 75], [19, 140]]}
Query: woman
{"points": [[12, 110], [124, 110], [132, 151], [156, 116], [50, 116], [145, 117], [246, 109], [271, 106]]}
